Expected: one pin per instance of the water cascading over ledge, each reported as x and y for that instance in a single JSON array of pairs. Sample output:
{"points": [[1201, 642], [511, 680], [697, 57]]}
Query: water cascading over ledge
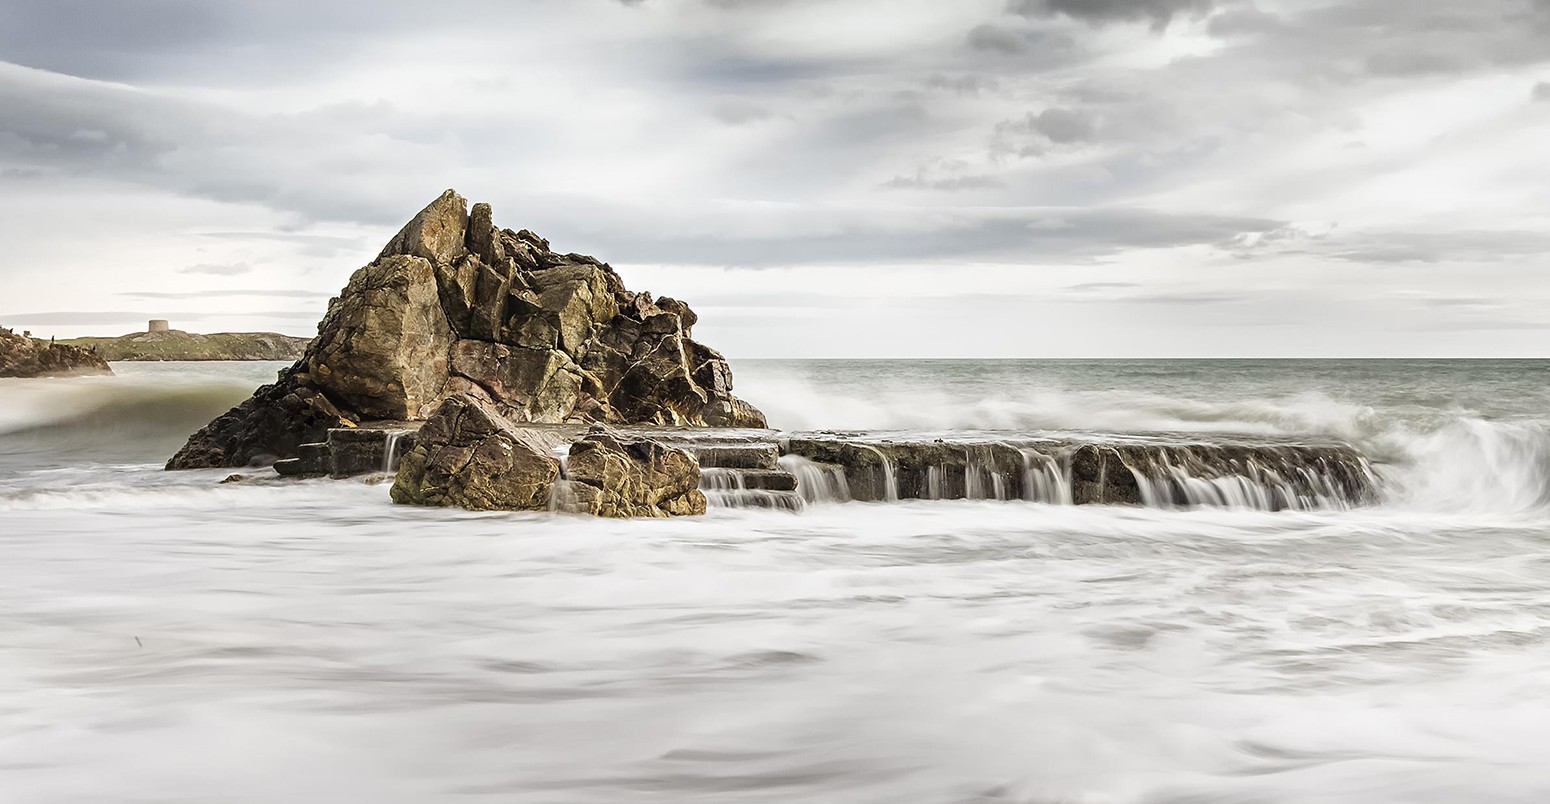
{"points": [[1155, 471], [762, 469]]}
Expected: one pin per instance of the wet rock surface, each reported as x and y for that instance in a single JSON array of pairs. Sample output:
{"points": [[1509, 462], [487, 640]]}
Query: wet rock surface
{"points": [[22, 356], [613, 475], [760, 469], [468, 456], [455, 305]]}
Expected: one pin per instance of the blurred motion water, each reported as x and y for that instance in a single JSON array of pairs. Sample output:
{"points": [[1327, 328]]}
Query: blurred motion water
{"points": [[167, 638]]}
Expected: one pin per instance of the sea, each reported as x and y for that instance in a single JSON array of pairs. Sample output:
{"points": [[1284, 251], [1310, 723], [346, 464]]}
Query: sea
{"points": [[165, 637]]}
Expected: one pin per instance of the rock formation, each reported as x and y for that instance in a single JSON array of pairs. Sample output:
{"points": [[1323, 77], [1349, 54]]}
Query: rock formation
{"points": [[454, 305], [469, 456], [23, 356], [615, 476]]}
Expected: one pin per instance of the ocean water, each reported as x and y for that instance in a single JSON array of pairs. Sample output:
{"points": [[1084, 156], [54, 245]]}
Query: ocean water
{"points": [[167, 638]]}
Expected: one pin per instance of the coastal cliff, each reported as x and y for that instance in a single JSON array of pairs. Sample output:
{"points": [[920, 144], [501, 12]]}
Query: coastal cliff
{"points": [[24, 356], [455, 305], [180, 345]]}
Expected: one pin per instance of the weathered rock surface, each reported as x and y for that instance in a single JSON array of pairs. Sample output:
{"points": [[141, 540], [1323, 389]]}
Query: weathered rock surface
{"points": [[454, 305], [612, 475], [21, 356], [468, 456], [179, 345]]}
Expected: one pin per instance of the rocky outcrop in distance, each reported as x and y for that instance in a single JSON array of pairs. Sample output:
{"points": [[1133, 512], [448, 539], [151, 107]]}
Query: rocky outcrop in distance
{"points": [[169, 345], [22, 356], [455, 305]]}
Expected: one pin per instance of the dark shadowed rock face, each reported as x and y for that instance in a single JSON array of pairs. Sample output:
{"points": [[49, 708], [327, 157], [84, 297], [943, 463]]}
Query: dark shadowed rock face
{"points": [[454, 305], [21, 356]]}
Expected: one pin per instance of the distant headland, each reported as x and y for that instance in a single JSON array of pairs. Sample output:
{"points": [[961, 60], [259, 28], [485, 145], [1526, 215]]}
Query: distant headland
{"points": [[161, 342]]}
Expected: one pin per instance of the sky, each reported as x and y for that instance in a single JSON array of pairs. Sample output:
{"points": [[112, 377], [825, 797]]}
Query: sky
{"points": [[818, 178]]}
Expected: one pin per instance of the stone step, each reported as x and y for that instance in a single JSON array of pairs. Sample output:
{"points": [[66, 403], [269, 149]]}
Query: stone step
{"points": [[723, 479], [733, 456], [349, 452], [775, 500]]}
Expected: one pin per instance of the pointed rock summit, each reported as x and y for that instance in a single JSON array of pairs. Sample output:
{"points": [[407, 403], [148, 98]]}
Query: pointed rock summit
{"points": [[454, 305]]}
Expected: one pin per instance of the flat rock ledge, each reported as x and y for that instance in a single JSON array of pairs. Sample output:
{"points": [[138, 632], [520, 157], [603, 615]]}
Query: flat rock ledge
{"points": [[456, 306], [22, 356], [653, 471]]}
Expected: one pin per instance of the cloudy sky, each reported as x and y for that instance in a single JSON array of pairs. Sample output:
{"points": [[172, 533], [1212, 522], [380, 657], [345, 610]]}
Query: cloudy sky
{"points": [[999, 178]]}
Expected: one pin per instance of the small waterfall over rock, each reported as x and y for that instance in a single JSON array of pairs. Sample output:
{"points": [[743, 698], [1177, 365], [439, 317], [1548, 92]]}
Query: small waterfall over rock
{"points": [[1064, 471], [742, 470], [392, 449], [1046, 478], [817, 482], [562, 495], [745, 475]]}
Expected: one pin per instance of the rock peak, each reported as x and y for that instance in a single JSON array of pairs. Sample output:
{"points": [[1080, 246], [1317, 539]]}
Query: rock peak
{"points": [[456, 305]]}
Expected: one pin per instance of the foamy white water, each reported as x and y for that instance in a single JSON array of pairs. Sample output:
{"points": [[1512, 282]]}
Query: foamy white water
{"points": [[170, 639]]}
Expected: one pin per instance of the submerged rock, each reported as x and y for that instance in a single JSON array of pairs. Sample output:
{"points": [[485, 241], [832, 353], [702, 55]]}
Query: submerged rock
{"points": [[454, 305], [23, 356], [468, 456], [615, 476]]}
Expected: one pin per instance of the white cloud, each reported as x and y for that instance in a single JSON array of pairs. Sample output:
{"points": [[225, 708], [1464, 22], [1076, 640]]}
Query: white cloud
{"points": [[1202, 166]]}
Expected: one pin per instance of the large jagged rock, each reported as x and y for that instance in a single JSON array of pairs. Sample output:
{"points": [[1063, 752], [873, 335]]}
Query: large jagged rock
{"points": [[22, 356], [614, 476], [469, 456], [455, 305]]}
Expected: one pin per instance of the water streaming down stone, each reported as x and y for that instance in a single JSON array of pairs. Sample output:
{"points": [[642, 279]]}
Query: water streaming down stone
{"points": [[743, 470], [745, 475], [392, 449], [562, 495], [1046, 478], [1064, 471], [817, 482]]}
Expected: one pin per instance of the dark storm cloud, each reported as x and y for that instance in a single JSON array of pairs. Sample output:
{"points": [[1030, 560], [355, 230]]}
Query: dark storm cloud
{"points": [[997, 38], [1159, 13], [1541, 91], [71, 127], [1356, 39], [242, 41], [861, 237]]}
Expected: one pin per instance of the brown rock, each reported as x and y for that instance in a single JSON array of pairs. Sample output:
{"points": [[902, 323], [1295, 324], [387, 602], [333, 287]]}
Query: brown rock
{"points": [[467, 456], [613, 476], [23, 356], [455, 305], [382, 350]]}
